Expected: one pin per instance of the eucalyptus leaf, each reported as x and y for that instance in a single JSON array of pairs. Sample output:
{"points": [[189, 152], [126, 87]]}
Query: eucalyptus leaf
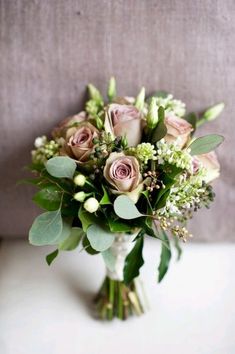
{"points": [[205, 144], [50, 257], [48, 198], [73, 240], [125, 208], [165, 257], [109, 259], [46, 228], [61, 167], [87, 247], [100, 238], [134, 261]]}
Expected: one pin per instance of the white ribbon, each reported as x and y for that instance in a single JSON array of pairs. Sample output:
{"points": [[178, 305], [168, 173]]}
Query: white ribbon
{"points": [[120, 248]]}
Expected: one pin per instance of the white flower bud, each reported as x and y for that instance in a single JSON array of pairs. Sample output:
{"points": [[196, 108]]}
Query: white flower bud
{"points": [[40, 141], [91, 205], [80, 196], [80, 180]]}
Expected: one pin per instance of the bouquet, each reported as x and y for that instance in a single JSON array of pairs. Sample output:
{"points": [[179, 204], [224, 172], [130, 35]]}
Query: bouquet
{"points": [[116, 173]]}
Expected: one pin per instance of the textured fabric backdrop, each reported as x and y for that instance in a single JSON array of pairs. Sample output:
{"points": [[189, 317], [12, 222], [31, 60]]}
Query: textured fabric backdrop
{"points": [[50, 49]]}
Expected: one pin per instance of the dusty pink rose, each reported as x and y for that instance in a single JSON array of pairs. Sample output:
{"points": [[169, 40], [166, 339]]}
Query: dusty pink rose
{"points": [[211, 164], [122, 172], [124, 120], [68, 122], [177, 128], [78, 142]]}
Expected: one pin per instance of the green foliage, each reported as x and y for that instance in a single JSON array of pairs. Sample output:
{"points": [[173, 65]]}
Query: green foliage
{"points": [[50, 257], [61, 167], [112, 89], [100, 238], [73, 240], [87, 247], [177, 247], [165, 257], [49, 197], [118, 226], [192, 119], [134, 261], [159, 132], [125, 208], [105, 199], [86, 219], [205, 144], [48, 229]]}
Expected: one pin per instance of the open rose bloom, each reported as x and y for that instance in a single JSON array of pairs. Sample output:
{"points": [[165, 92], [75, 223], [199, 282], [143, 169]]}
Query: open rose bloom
{"points": [[122, 170]]}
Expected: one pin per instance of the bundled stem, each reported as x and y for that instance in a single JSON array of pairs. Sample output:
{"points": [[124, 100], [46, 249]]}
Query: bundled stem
{"points": [[116, 299]]}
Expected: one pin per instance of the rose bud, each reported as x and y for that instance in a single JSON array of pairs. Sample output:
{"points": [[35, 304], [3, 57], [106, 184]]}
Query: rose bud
{"points": [[211, 164], [78, 142], [79, 180], [123, 174], [178, 129], [91, 205], [68, 122], [124, 120]]}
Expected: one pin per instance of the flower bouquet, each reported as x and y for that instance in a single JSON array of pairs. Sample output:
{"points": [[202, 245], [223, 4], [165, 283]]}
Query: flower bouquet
{"points": [[116, 173]]}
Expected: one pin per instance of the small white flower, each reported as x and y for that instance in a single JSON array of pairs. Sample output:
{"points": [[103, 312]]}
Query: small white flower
{"points": [[80, 180], [80, 196], [91, 205], [40, 141]]}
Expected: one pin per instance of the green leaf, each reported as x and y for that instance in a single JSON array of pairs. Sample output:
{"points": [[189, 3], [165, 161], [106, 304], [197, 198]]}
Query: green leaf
{"points": [[192, 119], [34, 181], [73, 240], [125, 208], [112, 89], [211, 114], [87, 247], [118, 226], [165, 257], [48, 198], [49, 229], [205, 144], [86, 219], [100, 238], [109, 259], [50, 257], [177, 247], [61, 167], [105, 199], [134, 261], [46, 228], [159, 132]]}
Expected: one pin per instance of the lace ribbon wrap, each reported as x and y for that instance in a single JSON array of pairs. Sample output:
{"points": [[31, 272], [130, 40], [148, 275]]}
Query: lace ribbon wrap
{"points": [[120, 248]]}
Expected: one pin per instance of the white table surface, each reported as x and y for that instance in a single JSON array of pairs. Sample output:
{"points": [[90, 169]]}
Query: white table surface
{"points": [[45, 310]]}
